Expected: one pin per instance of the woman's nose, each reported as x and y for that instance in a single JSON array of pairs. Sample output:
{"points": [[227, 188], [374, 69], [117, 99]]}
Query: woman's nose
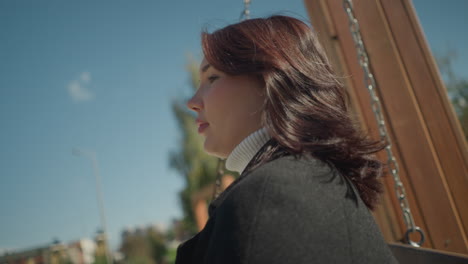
{"points": [[195, 103]]}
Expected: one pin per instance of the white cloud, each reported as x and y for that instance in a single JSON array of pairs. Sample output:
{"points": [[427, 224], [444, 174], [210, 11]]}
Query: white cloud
{"points": [[77, 89], [85, 77]]}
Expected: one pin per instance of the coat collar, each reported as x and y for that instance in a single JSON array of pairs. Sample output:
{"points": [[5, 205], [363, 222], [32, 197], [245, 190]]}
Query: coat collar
{"points": [[244, 152]]}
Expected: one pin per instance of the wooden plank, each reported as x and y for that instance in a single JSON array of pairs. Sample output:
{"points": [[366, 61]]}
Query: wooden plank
{"points": [[389, 222], [397, 55], [349, 51], [434, 109], [431, 64], [409, 128]]}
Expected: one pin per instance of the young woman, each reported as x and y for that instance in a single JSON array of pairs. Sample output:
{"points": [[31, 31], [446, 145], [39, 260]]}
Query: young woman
{"points": [[269, 102]]}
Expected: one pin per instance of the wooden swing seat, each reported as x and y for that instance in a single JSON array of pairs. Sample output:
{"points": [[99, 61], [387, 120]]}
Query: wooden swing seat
{"points": [[412, 255]]}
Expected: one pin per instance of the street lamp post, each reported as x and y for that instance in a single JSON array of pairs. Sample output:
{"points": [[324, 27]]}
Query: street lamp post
{"points": [[92, 156]]}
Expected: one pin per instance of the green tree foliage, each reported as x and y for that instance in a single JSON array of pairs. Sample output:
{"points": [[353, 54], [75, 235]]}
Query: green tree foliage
{"points": [[197, 168], [157, 243], [457, 88], [100, 259], [144, 246]]}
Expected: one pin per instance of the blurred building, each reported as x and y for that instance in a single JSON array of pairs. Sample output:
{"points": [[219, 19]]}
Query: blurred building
{"points": [[77, 252]]}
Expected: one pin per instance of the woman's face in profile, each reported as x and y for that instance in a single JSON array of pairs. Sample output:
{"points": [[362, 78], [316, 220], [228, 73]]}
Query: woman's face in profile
{"points": [[229, 108]]}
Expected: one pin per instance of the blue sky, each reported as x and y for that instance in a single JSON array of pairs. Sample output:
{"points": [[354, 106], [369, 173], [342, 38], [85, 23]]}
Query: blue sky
{"points": [[100, 76]]}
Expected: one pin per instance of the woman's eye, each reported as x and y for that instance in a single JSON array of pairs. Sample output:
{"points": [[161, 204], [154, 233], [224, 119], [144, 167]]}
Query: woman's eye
{"points": [[212, 78]]}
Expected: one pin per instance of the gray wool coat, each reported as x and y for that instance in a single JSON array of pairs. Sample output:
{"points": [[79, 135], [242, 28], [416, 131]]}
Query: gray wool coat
{"points": [[288, 211]]}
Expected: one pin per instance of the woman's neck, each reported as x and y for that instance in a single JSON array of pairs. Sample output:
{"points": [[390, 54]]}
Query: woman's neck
{"points": [[246, 150]]}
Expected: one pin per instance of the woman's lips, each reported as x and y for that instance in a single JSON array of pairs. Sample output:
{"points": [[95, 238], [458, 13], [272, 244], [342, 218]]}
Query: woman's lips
{"points": [[202, 127]]}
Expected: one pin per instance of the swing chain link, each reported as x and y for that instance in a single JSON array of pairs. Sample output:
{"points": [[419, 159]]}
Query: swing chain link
{"points": [[219, 175], [246, 12], [392, 163]]}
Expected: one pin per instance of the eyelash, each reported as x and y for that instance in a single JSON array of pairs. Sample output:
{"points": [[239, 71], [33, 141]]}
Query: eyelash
{"points": [[212, 78]]}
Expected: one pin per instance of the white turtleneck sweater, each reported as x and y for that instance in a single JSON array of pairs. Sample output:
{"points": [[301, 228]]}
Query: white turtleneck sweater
{"points": [[246, 150]]}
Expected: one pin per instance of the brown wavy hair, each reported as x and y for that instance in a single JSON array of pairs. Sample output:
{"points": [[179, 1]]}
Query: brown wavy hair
{"points": [[305, 108]]}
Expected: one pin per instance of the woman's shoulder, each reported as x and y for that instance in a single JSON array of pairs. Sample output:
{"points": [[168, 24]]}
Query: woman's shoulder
{"points": [[290, 182], [302, 202], [297, 175], [292, 169]]}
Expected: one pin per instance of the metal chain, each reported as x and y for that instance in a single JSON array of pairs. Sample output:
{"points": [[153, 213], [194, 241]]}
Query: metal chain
{"points": [[377, 109], [219, 174], [246, 12]]}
